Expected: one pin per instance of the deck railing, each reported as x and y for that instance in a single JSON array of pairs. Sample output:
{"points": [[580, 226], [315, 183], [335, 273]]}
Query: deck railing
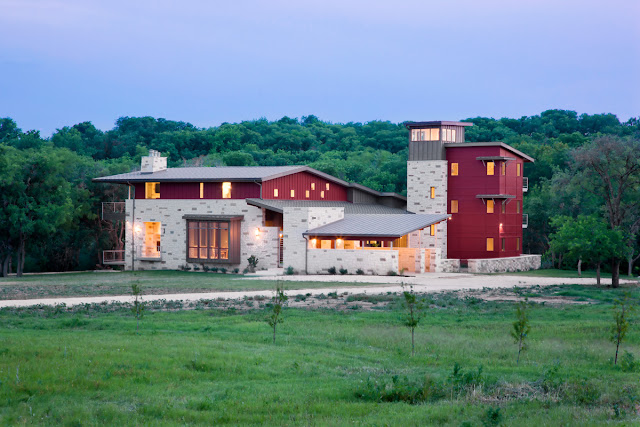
{"points": [[149, 253], [113, 211], [113, 257]]}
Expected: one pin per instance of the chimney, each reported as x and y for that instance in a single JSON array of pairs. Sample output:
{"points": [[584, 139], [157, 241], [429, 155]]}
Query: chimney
{"points": [[153, 162]]}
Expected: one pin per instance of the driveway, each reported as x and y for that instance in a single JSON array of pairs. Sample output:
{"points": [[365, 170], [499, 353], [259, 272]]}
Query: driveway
{"points": [[422, 283]]}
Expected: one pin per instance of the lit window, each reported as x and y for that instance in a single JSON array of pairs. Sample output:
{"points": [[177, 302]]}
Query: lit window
{"points": [[432, 231], [504, 168], [151, 190], [454, 206], [517, 243], [293, 193], [518, 169], [453, 135], [202, 190], [327, 186], [489, 244], [489, 206], [518, 207], [490, 168], [226, 190], [322, 194], [448, 135], [208, 240], [151, 246], [502, 244], [454, 169], [306, 194], [275, 192], [313, 185], [435, 134], [433, 192]]}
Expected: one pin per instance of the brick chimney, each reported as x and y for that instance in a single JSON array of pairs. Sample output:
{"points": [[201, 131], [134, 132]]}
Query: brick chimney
{"points": [[153, 162]]}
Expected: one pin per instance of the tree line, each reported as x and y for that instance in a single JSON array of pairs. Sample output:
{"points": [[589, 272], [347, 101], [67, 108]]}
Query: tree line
{"points": [[49, 207]]}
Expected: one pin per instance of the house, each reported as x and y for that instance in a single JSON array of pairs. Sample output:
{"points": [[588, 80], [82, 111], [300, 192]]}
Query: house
{"points": [[463, 204]]}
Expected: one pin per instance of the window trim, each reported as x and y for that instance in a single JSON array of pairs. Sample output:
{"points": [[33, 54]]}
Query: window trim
{"points": [[234, 237]]}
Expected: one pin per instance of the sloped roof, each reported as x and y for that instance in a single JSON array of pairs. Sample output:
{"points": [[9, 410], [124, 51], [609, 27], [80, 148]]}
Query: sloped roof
{"points": [[349, 208], [383, 225], [218, 173]]}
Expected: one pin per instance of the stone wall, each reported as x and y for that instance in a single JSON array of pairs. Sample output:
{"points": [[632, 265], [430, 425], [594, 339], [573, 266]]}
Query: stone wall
{"points": [[377, 262], [503, 265], [173, 233]]}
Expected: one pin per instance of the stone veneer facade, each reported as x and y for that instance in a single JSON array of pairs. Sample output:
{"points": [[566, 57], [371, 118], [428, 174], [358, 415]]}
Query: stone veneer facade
{"points": [[421, 176], [377, 262], [173, 232], [503, 265]]}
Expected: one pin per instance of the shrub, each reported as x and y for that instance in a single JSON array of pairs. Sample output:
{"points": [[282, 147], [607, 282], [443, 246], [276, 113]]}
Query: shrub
{"points": [[279, 300], [332, 270], [521, 328], [236, 270], [343, 271], [196, 268], [492, 417], [205, 268], [214, 269], [392, 273], [621, 312], [401, 390], [360, 272], [223, 270], [289, 271], [253, 263], [628, 362]]}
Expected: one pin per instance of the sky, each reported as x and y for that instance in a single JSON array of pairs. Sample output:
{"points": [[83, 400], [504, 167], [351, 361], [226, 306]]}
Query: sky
{"points": [[207, 62]]}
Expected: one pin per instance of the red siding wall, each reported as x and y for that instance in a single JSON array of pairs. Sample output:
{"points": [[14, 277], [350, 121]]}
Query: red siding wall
{"points": [[212, 190], [469, 229], [301, 182]]}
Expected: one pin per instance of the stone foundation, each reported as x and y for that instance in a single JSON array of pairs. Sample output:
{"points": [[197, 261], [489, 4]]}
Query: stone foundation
{"points": [[503, 265]]}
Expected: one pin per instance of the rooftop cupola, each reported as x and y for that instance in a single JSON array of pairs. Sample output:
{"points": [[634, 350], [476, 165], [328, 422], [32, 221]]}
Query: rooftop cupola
{"points": [[427, 139], [153, 162]]}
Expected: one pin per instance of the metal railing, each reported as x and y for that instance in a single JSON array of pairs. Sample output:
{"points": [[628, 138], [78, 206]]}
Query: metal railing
{"points": [[113, 257], [525, 220], [112, 211], [149, 253], [525, 184]]}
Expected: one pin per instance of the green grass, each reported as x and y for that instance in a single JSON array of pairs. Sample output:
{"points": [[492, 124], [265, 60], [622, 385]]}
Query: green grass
{"points": [[87, 366], [571, 274], [119, 283]]}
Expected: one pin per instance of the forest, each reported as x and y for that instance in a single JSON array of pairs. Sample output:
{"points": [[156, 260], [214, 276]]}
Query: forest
{"points": [[583, 198]]}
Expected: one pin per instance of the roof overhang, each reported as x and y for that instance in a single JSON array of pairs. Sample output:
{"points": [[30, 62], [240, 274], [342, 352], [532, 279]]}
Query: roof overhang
{"points": [[410, 125], [376, 226], [490, 144]]}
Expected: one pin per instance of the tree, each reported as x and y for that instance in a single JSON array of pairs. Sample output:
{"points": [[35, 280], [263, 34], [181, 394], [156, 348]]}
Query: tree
{"points": [[521, 327], [622, 309], [609, 167], [414, 313], [278, 301], [138, 304]]}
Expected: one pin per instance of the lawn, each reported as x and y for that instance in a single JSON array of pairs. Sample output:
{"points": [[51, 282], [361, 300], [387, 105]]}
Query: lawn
{"points": [[212, 365], [119, 283], [571, 274]]}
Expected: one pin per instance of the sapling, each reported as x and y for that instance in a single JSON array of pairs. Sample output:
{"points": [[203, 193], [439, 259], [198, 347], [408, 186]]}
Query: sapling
{"points": [[414, 313], [622, 309], [279, 300], [138, 304], [521, 327]]}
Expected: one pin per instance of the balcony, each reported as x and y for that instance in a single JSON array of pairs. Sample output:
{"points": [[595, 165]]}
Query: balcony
{"points": [[149, 253], [113, 211], [525, 184], [115, 257], [525, 220]]}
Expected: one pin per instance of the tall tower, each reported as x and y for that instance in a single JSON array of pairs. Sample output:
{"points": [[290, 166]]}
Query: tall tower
{"points": [[427, 171]]}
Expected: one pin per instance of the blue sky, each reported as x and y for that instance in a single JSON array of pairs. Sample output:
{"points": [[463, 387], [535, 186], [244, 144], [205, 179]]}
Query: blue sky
{"points": [[208, 62]]}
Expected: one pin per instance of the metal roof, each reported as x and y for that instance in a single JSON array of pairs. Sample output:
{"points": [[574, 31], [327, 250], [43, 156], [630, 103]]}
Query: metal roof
{"points": [[218, 173], [349, 208], [489, 144], [410, 125], [377, 225]]}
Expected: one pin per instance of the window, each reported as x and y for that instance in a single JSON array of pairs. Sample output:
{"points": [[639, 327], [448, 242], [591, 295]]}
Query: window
{"points": [[504, 168], [453, 135], [517, 243], [433, 192], [306, 194], [489, 206], [313, 185], [502, 244], [327, 186], [454, 169], [275, 192], [490, 168], [489, 244], [518, 206], [151, 246], [226, 190], [202, 190], [151, 190], [322, 194], [432, 134], [293, 193], [518, 166], [208, 240], [454, 206], [432, 231], [504, 208]]}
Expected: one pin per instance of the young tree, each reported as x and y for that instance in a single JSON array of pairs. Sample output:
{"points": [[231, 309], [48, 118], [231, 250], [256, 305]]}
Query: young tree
{"points": [[622, 309], [521, 327], [138, 304], [414, 308], [278, 301]]}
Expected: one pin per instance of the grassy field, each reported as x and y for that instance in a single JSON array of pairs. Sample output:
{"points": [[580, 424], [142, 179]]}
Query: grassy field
{"points": [[571, 274], [153, 282], [215, 364]]}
